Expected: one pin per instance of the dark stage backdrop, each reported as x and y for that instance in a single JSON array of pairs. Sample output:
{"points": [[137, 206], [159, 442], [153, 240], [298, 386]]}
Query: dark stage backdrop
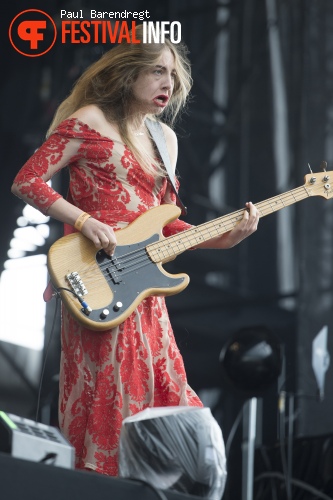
{"points": [[261, 110]]}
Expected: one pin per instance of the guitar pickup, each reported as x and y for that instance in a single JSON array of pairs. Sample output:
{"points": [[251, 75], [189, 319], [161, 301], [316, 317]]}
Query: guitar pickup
{"points": [[76, 284], [115, 263], [114, 276], [113, 270]]}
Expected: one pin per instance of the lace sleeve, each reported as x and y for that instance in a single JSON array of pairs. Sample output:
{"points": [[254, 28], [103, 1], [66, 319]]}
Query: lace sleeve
{"points": [[31, 181]]}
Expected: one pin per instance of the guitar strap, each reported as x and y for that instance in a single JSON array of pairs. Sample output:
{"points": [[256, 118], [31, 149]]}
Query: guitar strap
{"points": [[157, 134]]}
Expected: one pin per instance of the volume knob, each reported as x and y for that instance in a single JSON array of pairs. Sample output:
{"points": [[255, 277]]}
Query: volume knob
{"points": [[117, 306], [104, 313]]}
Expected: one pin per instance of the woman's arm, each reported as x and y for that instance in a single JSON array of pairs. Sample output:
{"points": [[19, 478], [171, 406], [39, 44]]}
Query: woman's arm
{"points": [[242, 230], [99, 233], [30, 184]]}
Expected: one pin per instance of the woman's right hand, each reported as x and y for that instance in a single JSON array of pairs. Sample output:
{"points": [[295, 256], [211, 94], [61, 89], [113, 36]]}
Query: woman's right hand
{"points": [[100, 234]]}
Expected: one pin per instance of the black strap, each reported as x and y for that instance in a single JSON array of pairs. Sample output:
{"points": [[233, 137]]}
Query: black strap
{"points": [[157, 134]]}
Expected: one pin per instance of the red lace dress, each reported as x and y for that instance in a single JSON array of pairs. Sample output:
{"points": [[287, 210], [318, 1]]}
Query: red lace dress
{"points": [[107, 376]]}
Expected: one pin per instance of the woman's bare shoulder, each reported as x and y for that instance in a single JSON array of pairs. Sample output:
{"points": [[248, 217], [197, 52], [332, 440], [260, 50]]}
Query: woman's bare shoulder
{"points": [[91, 115], [94, 117]]}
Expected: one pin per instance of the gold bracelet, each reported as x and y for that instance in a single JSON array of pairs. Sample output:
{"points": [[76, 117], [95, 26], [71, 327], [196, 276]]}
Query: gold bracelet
{"points": [[81, 220]]}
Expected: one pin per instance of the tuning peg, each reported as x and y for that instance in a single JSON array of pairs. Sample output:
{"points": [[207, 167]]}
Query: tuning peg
{"points": [[323, 165]]}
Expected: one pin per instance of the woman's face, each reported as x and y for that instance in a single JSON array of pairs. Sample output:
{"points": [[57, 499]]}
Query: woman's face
{"points": [[154, 86]]}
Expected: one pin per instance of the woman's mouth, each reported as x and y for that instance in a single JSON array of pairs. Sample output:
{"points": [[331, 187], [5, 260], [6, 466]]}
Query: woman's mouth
{"points": [[161, 100]]}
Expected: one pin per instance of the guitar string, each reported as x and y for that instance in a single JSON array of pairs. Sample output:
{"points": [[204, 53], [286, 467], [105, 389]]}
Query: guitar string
{"points": [[235, 216], [131, 261], [142, 259], [203, 230]]}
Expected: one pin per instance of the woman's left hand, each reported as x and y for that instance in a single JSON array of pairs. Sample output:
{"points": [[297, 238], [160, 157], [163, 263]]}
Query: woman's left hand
{"points": [[243, 229]]}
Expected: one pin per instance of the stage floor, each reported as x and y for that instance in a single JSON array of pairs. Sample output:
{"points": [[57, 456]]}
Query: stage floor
{"points": [[35, 481]]}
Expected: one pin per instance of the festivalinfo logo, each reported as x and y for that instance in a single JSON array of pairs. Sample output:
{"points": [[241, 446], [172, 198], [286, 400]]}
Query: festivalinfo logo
{"points": [[33, 32]]}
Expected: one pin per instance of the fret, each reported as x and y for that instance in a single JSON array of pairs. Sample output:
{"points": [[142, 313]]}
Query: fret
{"points": [[168, 249], [178, 243], [198, 236], [273, 207]]}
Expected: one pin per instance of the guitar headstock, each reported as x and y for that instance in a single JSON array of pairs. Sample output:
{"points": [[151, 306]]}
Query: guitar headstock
{"points": [[320, 183]]}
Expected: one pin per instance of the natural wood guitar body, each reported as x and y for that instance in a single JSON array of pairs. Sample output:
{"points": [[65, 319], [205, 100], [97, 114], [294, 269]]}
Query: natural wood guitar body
{"points": [[101, 292]]}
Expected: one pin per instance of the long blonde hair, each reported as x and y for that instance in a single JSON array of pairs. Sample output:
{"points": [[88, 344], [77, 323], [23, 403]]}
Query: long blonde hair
{"points": [[107, 83]]}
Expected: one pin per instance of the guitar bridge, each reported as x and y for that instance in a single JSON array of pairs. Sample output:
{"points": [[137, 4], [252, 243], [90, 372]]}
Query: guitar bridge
{"points": [[76, 284]]}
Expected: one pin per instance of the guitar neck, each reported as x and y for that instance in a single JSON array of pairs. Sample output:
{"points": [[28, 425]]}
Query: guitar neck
{"points": [[169, 248]]}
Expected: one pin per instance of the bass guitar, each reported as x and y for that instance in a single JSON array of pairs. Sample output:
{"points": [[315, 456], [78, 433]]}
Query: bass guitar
{"points": [[102, 291]]}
